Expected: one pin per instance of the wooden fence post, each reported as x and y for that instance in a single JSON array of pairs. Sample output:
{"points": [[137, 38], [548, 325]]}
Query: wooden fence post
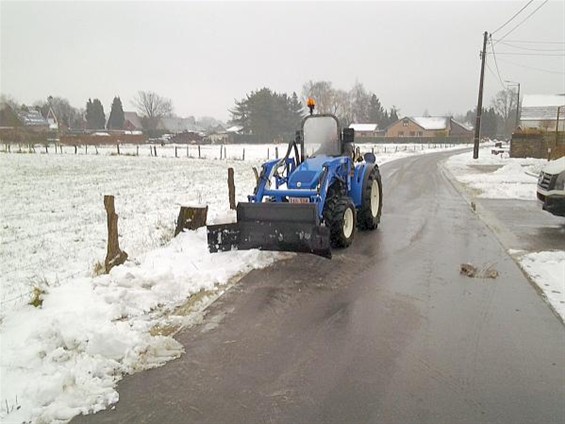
{"points": [[191, 218], [137, 150], [276, 152], [176, 155], [243, 155], [114, 256], [118, 146], [76, 149], [231, 188], [199, 157]]}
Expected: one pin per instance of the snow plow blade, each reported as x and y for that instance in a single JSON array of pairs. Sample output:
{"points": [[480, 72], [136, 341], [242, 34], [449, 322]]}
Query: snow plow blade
{"points": [[285, 227]]}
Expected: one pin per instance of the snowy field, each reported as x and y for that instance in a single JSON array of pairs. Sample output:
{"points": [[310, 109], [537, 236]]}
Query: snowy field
{"points": [[66, 357], [500, 177]]}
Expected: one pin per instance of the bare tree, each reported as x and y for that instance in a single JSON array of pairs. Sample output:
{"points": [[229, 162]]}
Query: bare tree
{"points": [[323, 93], [330, 100], [504, 104], [152, 107]]}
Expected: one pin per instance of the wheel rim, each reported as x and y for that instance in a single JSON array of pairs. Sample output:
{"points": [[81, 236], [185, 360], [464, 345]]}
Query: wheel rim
{"points": [[375, 199], [348, 223]]}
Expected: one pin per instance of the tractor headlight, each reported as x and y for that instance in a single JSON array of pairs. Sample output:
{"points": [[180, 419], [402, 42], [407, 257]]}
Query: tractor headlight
{"points": [[560, 182]]}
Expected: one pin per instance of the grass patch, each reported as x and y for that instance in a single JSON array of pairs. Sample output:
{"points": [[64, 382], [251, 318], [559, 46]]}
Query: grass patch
{"points": [[99, 269], [37, 294]]}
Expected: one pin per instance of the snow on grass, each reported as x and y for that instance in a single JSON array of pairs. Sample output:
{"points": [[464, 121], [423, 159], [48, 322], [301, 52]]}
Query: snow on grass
{"points": [[500, 177], [66, 356]]}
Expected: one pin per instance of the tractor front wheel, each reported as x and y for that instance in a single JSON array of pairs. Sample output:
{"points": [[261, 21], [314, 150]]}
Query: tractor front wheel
{"points": [[341, 218]]}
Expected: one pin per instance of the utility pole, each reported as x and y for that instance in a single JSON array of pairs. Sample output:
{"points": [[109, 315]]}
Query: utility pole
{"points": [[518, 108], [480, 102]]}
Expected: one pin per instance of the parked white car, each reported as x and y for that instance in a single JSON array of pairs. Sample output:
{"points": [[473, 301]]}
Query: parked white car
{"points": [[551, 187]]}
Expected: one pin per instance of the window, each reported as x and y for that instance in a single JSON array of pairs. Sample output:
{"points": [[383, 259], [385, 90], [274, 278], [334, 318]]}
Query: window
{"points": [[401, 133], [412, 133], [420, 134], [405, 122]]}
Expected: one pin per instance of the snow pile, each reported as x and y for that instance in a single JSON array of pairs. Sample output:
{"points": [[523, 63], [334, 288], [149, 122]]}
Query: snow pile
{"points": [[547, 269], [65, 358], [497, 177]]}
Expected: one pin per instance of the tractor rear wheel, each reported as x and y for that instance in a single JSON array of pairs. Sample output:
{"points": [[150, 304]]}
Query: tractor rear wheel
{"points": [[372, 201], [341, 216]]}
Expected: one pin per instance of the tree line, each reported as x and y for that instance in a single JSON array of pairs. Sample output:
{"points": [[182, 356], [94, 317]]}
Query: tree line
{"points": [[151, 107], [265, 115]]}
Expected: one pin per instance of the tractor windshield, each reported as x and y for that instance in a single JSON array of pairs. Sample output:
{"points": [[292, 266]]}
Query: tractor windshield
{"points": [[321, 136]]}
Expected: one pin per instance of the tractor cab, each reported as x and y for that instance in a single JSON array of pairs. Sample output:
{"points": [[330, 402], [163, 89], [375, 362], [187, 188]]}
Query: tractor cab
{"points": [[320, 135]]}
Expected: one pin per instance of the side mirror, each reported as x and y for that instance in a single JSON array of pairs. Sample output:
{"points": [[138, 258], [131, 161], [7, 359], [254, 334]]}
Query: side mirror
{"points": [[370, 157]]}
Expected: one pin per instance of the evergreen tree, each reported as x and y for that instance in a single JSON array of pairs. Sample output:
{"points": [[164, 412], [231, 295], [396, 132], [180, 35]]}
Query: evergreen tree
{"points": [[393, 116], [116, 119], [376, 112], [268, 116], [95, 118]]}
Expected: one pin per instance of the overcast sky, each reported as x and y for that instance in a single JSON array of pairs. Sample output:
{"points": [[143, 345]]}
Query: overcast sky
{"points": [[416, 56]]}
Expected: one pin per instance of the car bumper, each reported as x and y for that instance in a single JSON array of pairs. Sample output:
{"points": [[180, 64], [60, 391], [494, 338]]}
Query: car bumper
{"points": [[553, 205]]}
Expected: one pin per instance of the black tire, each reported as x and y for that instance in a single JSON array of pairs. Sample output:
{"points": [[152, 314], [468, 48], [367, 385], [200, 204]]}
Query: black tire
{"points": [[371, 201], [340, 217]]}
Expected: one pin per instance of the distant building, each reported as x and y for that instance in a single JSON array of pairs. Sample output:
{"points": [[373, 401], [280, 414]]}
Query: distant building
{"points": [[540, 111], [367, 130], [428, 126], [33, 120], [225, 136], [132, 121], [177, 125]]}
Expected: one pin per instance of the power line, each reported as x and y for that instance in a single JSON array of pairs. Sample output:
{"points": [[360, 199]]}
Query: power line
{"points": [[527, 17], [529, 41], [536, 49], [495, 76], [510, 20], [532, 54], [495, 62], [533, 68]]}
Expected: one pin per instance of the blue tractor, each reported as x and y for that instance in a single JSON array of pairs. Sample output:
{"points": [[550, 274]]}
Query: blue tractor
{"points": [[311, 200]]}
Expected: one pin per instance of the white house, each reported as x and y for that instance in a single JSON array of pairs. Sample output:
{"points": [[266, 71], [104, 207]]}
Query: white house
{"points": [[540, 111], [366, 130]]}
